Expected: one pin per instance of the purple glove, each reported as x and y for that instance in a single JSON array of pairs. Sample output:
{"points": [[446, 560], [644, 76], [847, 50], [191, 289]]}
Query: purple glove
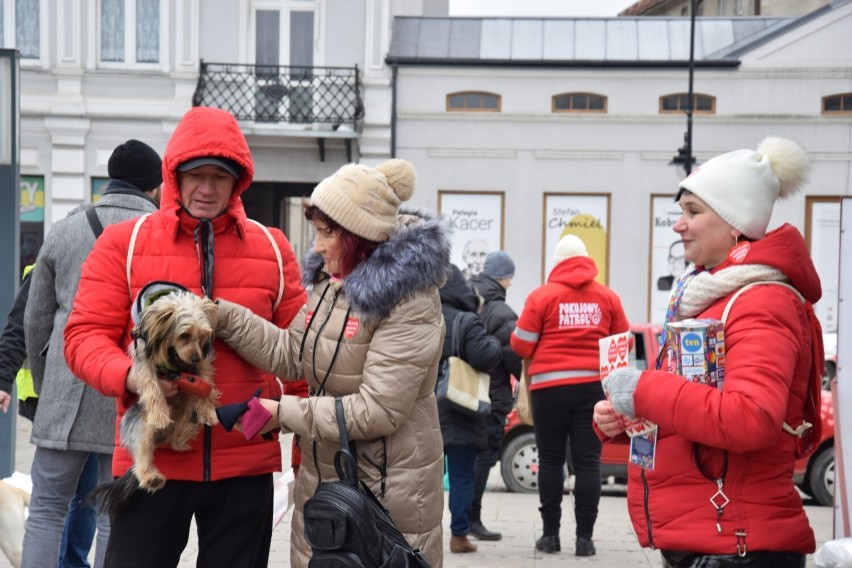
{"points": [[254, 419]]}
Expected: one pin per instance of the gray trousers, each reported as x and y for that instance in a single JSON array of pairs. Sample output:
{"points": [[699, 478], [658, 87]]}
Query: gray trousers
{"points": [[55, 474]]}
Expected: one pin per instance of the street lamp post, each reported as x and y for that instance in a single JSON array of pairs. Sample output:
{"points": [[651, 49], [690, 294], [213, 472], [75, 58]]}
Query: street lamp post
{"points": [[10, 204], [684, 154]]}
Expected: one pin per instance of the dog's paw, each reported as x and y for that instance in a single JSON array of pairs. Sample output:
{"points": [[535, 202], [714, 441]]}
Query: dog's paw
{"points": [[159, 420], [152, 482], [209, 418], [181, 445]]}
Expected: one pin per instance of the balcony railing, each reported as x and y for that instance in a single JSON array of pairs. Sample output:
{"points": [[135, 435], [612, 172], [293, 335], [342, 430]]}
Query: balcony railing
{"points": [[279, 94]]}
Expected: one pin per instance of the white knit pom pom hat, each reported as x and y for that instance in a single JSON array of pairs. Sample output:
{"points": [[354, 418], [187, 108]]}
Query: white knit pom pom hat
{"points": [[742, 186], [569, 246], [364, 200]]}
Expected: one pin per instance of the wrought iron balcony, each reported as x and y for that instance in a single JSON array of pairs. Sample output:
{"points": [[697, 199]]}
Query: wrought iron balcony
{"points": [[279, 94]]}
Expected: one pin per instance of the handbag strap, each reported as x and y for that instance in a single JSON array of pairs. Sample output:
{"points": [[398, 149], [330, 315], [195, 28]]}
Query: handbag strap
{"points": [[456, 350], [345, 463]]}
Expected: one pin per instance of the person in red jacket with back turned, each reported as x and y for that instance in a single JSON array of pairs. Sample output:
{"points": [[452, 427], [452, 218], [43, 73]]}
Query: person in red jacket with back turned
{"points": [[201, 239], [558, 331]]}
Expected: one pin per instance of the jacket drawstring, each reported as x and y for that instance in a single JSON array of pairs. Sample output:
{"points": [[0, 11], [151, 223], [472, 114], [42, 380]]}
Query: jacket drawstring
{"points": [[205, 251]]}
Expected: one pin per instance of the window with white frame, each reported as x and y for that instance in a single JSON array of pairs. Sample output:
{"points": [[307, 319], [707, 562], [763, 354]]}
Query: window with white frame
{"points": [[284, 32], [27, 28], [129, 32], [20, 27]]}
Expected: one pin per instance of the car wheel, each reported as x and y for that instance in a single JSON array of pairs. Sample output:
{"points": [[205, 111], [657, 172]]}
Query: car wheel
{"points": [[519, 464], [821, 477]]}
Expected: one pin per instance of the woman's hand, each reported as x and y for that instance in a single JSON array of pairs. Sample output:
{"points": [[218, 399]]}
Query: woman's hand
{"points": [[268, 408], [608, 421], [5, 400]]}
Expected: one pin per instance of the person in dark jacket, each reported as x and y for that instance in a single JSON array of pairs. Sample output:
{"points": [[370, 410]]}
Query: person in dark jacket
{"points": [[463, 435], [13, 350], [499, 320], [73, 426]]}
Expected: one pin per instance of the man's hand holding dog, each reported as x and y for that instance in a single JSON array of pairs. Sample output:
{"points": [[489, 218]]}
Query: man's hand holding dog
{"points": [[169, 388]]}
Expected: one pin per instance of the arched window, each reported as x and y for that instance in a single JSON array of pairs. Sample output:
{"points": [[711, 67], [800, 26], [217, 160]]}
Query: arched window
{"points": [[679, 102], [578, 102], [473, 101], [837, 104]]}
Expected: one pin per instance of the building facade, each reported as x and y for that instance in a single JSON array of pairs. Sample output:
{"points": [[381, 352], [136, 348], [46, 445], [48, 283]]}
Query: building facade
{"points": [[517, 128], [553, 126]]}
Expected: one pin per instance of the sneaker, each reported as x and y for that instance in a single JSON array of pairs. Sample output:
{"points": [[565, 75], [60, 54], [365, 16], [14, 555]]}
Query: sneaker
{"points": [[479, 531], [584, 547], [548, 544], [459, 544]]}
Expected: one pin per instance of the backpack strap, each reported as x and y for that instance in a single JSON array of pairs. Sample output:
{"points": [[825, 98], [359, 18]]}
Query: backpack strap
{"points": [[277, 252], [94, 221], [275, 249], [344, 459], [752, 285], [809, 432], [132, 246]]}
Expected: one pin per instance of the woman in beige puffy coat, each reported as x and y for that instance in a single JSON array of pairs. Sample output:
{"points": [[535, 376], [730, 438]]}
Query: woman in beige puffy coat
{"points": [[371, 333]]}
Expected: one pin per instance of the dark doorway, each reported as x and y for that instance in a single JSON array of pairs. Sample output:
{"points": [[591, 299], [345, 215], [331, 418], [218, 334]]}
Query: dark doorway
{"points": [[280, 205]]}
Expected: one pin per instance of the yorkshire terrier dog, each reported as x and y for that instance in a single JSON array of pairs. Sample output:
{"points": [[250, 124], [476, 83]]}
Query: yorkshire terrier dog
{"points": [[174, 339]]}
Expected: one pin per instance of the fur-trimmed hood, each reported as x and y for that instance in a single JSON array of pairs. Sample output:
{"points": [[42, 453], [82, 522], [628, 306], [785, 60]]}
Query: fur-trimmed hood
{"points": [[417, 256]]}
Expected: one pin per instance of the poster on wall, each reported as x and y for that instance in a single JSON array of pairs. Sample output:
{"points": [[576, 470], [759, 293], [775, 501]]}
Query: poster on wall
{"points": [[822, 232], [98, 184], [32, 199], [666, 263], [477, 221], [583, 215]]}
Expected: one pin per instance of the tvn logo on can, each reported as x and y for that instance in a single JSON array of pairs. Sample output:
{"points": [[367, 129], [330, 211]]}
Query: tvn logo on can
{"points": [[696, 350]]}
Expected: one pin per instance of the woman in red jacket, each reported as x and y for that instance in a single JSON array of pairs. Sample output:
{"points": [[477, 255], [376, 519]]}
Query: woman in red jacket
{"points": [[559, 330], [721, 492]]}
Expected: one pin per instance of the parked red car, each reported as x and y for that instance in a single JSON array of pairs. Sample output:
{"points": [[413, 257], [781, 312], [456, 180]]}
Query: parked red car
{"points": [[519, 454]]}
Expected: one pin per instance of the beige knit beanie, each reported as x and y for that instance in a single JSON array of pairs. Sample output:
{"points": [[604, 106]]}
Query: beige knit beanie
{"points": [[364, 200]]}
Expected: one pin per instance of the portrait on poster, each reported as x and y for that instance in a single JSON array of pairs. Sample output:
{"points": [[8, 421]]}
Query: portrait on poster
{"points": [[822, 232], [667, 262], [477, 222], [583, 215]]}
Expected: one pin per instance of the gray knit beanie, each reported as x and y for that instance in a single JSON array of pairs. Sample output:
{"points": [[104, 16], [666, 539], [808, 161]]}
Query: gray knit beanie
{"points": [[498, 265]]}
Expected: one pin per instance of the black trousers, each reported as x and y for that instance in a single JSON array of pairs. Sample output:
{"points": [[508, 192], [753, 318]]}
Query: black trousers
{"points": [[495, 424], [561, 413], [233, 518], [680, 559]]}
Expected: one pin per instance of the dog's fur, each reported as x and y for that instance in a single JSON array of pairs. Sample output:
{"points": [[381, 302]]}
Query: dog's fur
{"points": [[13, 500], [175, 333]]}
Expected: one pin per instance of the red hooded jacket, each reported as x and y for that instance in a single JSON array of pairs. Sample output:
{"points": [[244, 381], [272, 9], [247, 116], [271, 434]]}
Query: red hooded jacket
{"points": [[562, 323], [771, 343], [245, 271]]}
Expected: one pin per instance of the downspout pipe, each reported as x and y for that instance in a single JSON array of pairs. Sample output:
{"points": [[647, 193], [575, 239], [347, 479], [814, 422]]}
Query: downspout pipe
{"points": [[394, 76]]}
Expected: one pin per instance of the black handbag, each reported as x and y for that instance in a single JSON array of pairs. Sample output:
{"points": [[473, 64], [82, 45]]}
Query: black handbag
{"points": [[347, 526]]}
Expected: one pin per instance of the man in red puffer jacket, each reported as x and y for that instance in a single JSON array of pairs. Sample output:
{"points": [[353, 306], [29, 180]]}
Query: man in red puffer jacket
{"points": [[201, 239]]}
